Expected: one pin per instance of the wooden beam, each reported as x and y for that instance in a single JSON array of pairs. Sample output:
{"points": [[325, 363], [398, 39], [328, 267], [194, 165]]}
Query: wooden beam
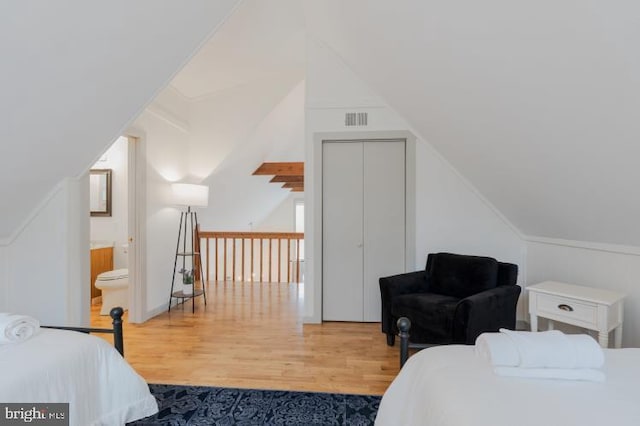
{"points": [[282, 169], [297, 189], [293, 185], [279, 178]]}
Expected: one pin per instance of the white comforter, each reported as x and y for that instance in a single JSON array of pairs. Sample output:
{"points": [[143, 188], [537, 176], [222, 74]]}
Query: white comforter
{"points": [[451, 386], [87, 372]]}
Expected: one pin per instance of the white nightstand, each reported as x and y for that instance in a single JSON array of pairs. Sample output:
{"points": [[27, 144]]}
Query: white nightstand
{"points": [[587, 307]]}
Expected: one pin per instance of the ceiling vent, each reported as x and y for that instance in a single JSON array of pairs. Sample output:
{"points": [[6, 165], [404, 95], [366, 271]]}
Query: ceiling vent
{"points": [[356, 119]]}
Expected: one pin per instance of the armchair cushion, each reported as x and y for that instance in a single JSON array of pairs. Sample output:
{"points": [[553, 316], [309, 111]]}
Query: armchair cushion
{"points": [[461, 276], [433, 312]]}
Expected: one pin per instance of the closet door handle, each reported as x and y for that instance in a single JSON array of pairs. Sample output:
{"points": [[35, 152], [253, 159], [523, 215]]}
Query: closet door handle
{"points": [[359, 245], [564, 307]]}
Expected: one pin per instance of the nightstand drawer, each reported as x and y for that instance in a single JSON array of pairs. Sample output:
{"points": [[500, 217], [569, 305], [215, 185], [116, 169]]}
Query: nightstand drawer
{"points": [[569, 310]]}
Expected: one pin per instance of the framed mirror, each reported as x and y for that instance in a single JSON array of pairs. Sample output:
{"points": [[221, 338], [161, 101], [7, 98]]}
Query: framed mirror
{"points": [[100, 192]]}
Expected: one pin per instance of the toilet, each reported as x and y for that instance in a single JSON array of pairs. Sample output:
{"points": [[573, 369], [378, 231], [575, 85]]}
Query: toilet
{"points": [[115, 289]]}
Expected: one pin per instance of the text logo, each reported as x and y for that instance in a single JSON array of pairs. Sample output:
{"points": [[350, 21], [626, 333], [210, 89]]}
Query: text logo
{"points": [[42, 414]]}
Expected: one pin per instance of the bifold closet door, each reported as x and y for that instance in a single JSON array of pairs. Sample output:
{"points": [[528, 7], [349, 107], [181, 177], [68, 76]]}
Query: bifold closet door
{"points": [[363, 225], [383, 219], [342, 240]]}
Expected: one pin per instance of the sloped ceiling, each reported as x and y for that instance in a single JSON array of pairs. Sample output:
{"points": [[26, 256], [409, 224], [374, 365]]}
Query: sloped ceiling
{"points": [[240, 200], [536, 103], [245, 99], [263, 39], [74, 74]]}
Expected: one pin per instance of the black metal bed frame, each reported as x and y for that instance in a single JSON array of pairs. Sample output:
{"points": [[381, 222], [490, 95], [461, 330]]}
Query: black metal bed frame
{"points": [[116, 314], [404, 325]]}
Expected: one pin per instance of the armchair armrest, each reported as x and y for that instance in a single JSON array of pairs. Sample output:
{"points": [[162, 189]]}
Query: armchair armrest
{"points": [[486, 311], [396, 285]]}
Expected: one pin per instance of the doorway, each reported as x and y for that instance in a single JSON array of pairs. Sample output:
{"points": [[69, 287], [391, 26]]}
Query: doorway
{"points": [[114, 201]]}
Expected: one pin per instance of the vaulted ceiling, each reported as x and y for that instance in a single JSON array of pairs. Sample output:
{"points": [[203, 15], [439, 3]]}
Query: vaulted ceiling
{"points": [[535, 103], [262, 39], [74, 74]]}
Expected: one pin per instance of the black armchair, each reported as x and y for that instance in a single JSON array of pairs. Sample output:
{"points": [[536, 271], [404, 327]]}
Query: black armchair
{"points": [[454, 300]]}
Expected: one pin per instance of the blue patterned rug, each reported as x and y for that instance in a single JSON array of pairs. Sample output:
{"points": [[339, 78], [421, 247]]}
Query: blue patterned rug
{"points": [[198, 405]]}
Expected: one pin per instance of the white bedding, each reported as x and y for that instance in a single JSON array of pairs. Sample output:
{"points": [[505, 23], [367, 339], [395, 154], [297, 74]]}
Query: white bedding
{"points": [[451, 386], [87, 372]]}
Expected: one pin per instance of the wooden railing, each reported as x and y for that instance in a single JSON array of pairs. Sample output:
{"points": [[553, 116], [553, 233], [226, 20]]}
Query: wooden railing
{"points": [[251, 256]]}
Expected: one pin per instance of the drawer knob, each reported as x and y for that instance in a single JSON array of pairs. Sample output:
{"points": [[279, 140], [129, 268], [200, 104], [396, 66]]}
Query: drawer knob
{"points": [[564, 307]]}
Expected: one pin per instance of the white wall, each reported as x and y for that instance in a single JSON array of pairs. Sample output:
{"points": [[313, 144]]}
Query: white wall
{"points": [[269, 130], [281, 219], [450, 214], [163, 149], [582, 264], [114, 229], [45, 269], [226, 120]]}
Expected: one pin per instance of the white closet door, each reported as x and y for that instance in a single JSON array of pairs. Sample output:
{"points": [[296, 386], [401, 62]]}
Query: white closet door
{"points": [[342, 253], [384, 219]]}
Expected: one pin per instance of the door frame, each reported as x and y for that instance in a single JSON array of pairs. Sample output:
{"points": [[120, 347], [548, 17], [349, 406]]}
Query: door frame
{"points": [[313, 206], [136, 226]]}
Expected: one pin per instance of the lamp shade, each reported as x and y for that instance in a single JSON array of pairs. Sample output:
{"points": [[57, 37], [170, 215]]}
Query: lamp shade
{"points": [[188, 194]]}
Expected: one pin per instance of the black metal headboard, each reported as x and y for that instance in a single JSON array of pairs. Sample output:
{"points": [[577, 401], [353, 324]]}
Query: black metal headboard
{"points": [[116, 314]]}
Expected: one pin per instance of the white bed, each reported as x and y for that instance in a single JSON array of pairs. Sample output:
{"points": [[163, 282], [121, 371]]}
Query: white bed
{"points": [[451, 386], [83, 370]]}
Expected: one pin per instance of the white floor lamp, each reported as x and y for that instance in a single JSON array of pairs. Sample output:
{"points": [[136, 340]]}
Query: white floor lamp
{"points": [[188, 195]]}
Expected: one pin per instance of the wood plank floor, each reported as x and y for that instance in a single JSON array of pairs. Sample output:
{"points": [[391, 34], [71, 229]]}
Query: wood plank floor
{"points": [[250, 335]]}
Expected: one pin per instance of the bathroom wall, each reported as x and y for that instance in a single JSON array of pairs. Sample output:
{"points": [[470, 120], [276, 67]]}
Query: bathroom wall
{"points": [[114, 228]]}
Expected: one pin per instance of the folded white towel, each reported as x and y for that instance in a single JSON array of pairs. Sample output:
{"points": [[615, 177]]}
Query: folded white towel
{"points": [[554, 349], [17, 328], [588, 352], [585, 374], [498, 349]]}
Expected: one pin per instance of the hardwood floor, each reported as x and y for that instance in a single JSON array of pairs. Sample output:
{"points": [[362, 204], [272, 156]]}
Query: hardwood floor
{"points": [[250, 335]]}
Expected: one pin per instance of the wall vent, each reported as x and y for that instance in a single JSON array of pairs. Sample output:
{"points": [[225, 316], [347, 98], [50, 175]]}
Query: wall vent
{"points": [[356, 119]]}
